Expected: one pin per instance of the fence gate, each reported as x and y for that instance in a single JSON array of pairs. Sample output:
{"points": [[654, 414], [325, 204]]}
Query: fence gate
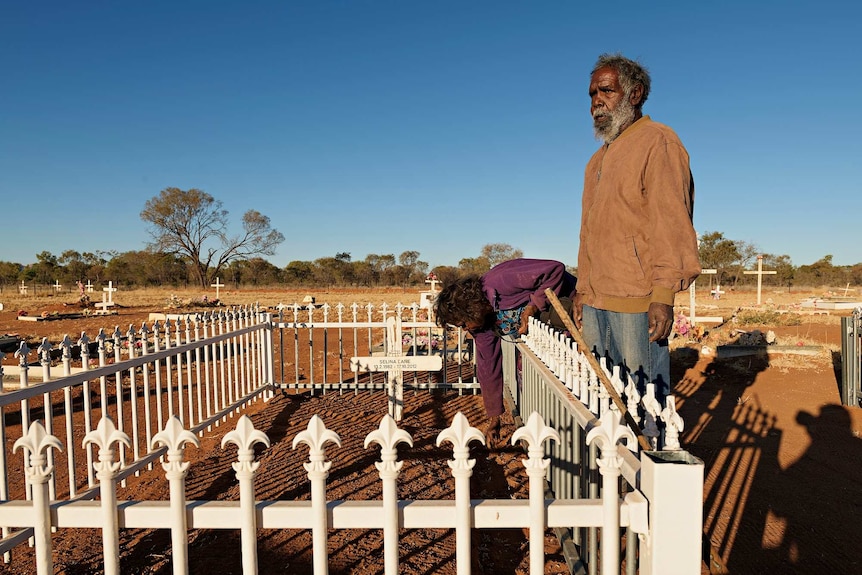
{"points": [[851, 359]]}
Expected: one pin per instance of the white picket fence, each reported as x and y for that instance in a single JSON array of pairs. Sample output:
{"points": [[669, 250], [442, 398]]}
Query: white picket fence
{"points": [[214, 365]]}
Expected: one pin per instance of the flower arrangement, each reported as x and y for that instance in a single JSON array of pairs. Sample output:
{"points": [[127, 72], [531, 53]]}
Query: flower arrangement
{"points": [[683, 327], [423, 339]]}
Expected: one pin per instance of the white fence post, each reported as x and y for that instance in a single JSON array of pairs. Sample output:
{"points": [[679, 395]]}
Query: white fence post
{"points": [[388, 436], [673, 483], [244, 437], [38, 470], [104, 436], [607, 435], [459, 434], [316, 436], [175, 437], [535, 432]]}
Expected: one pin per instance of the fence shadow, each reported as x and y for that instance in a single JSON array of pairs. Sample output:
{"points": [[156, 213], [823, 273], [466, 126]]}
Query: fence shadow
{"points": [[762, 513]]}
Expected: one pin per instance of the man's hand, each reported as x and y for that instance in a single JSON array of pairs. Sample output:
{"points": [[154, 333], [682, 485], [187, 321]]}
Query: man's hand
{"points": [[660, 320], [578, 310], [529, 311]]}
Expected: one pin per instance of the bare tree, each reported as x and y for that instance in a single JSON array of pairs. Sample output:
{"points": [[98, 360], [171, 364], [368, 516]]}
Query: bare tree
{"points": [[192, 224], [497, 253]]}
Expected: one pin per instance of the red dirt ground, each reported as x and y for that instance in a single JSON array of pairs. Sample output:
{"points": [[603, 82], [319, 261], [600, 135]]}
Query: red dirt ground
{"points": [[782, 490]]}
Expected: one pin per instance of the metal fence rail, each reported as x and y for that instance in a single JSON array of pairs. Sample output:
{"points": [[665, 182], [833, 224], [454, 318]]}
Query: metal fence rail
{"points": [[851, 359], [315, 344], [200, 369]]}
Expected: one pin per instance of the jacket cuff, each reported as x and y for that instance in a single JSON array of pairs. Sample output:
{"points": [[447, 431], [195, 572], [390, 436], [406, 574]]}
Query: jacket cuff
{"points": [[662, 295]]}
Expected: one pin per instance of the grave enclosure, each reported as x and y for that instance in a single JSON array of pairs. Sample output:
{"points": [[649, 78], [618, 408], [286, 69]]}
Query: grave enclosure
{"points": [[204, 368]]}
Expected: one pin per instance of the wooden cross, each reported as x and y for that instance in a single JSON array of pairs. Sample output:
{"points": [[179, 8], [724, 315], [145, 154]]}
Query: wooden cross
{"points": [[57, 285], [760, 273], [110, 290], [692, 315], [395, 364], [217, 285]]}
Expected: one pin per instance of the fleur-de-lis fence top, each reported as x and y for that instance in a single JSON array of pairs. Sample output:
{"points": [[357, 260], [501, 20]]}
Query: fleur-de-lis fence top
{"points": [[21, 353], [316, 436], [534, 433], [45, 350], [36, 444], [175, 437], [607, 435], [460, 434], [66, 346], [388, 436], [104, 436], [245, 436]]}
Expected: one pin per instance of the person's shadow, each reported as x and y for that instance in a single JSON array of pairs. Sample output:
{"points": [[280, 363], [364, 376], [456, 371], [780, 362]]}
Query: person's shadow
{"points": [[821, 514]]}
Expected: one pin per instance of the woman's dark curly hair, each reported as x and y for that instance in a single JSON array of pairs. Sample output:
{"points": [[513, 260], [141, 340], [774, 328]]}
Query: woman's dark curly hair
{"points": [[461, 302]]}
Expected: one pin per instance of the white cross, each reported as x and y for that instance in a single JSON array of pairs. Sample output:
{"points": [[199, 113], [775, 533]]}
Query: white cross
{"points": [[432, 279], [394, 364], [760, 273], [89, 287], [22, 289], [217, 285], [110, 289], [57, 285], [692, 316]]}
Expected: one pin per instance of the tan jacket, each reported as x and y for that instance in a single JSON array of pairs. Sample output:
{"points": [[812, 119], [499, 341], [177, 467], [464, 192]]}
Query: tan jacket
{"points": [[637, 242]]}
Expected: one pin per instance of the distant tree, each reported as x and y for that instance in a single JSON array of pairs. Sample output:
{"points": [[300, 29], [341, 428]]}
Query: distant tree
{"points": [[254, 271], [298, 272], [783, 268], [717, 252], [75, 268], [193, 224], [446, 274], [343, 256], [381, 268], [476, 266], [363, 274], [45, 270], [412, 268], [498, 253], [10, 272]]}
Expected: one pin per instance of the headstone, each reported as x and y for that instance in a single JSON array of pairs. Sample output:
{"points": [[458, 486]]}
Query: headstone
{"points": [[217, 285], [395, 364], [760, 273]]}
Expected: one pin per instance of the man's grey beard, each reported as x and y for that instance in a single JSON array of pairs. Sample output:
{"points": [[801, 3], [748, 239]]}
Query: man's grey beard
{"points": [[622, 116]]}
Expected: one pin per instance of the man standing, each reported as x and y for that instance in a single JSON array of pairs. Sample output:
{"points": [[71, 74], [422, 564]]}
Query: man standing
{"points": [[638, 247]]}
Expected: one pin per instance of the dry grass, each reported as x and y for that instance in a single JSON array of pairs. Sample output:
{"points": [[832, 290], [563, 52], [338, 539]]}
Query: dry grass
{"points": [[160, 298]]}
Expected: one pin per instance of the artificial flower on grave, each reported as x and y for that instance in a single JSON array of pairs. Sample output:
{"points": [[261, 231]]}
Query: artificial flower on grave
{"points": [[422, 339], [683, 327]]}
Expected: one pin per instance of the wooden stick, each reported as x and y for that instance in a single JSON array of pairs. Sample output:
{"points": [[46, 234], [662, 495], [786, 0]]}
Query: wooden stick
{"points": [[594, 363]]}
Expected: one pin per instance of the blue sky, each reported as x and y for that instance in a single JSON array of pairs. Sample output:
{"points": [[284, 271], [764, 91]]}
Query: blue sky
{"points": [[436, 126]]}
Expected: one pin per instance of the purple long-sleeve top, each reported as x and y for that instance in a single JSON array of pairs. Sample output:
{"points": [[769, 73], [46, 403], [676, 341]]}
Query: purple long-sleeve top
{"points": [[510, 285]]}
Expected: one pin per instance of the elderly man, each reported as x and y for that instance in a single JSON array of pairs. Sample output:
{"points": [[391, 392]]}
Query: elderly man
{"points": [[638, 247]]}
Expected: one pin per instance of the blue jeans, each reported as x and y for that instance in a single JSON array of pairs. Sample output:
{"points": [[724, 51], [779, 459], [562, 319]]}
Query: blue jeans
{"points": [[624, 339]]}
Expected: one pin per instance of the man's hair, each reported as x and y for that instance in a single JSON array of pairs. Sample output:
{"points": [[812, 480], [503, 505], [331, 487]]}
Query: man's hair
{"points": [[461, 301], [630, 73]]}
